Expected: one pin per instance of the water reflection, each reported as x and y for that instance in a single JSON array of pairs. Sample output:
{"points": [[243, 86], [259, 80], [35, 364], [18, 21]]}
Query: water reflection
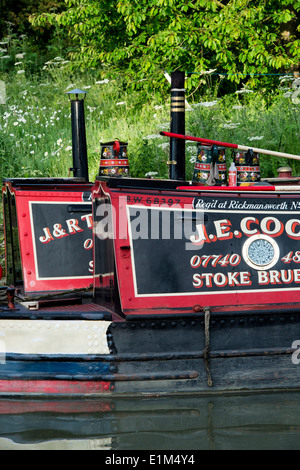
{"points": [[264, 421]]}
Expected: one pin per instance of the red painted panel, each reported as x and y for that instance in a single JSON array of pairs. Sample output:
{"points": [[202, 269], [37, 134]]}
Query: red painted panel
{"points": [[24, 201], [55, 387], [231, 225]]}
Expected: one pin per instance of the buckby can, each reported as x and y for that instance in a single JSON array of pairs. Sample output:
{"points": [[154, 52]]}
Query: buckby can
{"points": [[221, 169], [210, 159], [247, 165]]}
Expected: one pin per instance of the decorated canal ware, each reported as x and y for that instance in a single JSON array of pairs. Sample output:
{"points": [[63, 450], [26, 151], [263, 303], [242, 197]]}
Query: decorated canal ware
{"points": [[114, 159], [247, 163], [210, 166], [203, 164], [220, 174]]}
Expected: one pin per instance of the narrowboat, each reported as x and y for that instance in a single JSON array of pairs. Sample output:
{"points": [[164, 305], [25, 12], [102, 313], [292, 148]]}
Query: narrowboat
{"points": [[126, 287]]}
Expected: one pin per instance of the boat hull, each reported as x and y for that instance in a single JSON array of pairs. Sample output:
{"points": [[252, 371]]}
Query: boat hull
{"points": [[212, 306], [219, 351]]}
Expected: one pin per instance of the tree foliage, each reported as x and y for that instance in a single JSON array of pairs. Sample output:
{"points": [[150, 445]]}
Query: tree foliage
{"points": [[141, 38], [15, 14]]}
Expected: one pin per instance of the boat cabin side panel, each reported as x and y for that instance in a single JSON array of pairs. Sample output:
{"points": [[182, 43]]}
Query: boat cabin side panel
{"points": [[51, 233], [185, 250]]}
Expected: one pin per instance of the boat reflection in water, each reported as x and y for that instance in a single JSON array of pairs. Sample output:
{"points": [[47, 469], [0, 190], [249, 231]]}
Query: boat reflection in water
{"points": [[256, 421]]}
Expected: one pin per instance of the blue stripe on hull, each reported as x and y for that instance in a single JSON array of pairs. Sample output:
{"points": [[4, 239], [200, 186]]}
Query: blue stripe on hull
{"points": [[55, 369]]}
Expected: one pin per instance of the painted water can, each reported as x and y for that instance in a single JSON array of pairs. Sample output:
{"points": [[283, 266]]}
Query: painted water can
{"points": [[247, 164], [210, 165], [114, 159]]}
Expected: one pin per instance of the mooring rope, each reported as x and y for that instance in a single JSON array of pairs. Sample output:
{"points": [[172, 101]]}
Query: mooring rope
{"points": [[207, 346]]}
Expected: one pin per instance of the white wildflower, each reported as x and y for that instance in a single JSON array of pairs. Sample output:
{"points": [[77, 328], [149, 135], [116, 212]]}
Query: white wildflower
{"points": [[286, 78], [102, 81], [151, 173], [204, 72], [164, 145], [244, 90], [258, 137], [153, 136], [230, 125], [72, 85], [206, 104], [19, 72], [20, 56]]}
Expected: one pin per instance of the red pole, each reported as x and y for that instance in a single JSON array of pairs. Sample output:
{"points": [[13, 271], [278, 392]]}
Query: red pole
{"points": [[234, 146], [198, 139]]}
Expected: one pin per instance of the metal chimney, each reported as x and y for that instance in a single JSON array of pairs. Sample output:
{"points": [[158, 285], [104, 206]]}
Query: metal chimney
{"points": [[177, 146], [80, 161]]}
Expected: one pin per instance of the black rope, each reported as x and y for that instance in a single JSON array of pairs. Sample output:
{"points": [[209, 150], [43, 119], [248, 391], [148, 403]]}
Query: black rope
{"points": [[207, 346]]}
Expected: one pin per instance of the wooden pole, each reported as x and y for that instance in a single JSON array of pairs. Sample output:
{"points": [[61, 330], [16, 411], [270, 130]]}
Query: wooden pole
{"points": [[235, 146]]}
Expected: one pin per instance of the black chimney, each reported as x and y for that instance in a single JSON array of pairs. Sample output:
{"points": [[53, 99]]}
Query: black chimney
{"points": [[177, 146], [80, 162]]}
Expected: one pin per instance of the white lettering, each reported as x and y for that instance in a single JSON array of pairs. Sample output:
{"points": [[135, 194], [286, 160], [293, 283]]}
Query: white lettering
{"points": [[295, 356], [223, 228]]}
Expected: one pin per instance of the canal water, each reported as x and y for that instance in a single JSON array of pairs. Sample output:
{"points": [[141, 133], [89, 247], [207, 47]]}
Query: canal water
{"points": [[268, 421]]}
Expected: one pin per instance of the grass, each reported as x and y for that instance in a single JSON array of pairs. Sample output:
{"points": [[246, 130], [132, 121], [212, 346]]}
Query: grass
{"points": [[35, 126]]}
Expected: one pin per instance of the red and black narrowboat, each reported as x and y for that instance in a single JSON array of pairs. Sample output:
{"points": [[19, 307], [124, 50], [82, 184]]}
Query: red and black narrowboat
{"points": [[126, 286]]}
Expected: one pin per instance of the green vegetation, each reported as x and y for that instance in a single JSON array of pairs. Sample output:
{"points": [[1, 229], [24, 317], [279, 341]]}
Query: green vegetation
{"points": [[139, 38], [35, 124], [118, 51]]}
